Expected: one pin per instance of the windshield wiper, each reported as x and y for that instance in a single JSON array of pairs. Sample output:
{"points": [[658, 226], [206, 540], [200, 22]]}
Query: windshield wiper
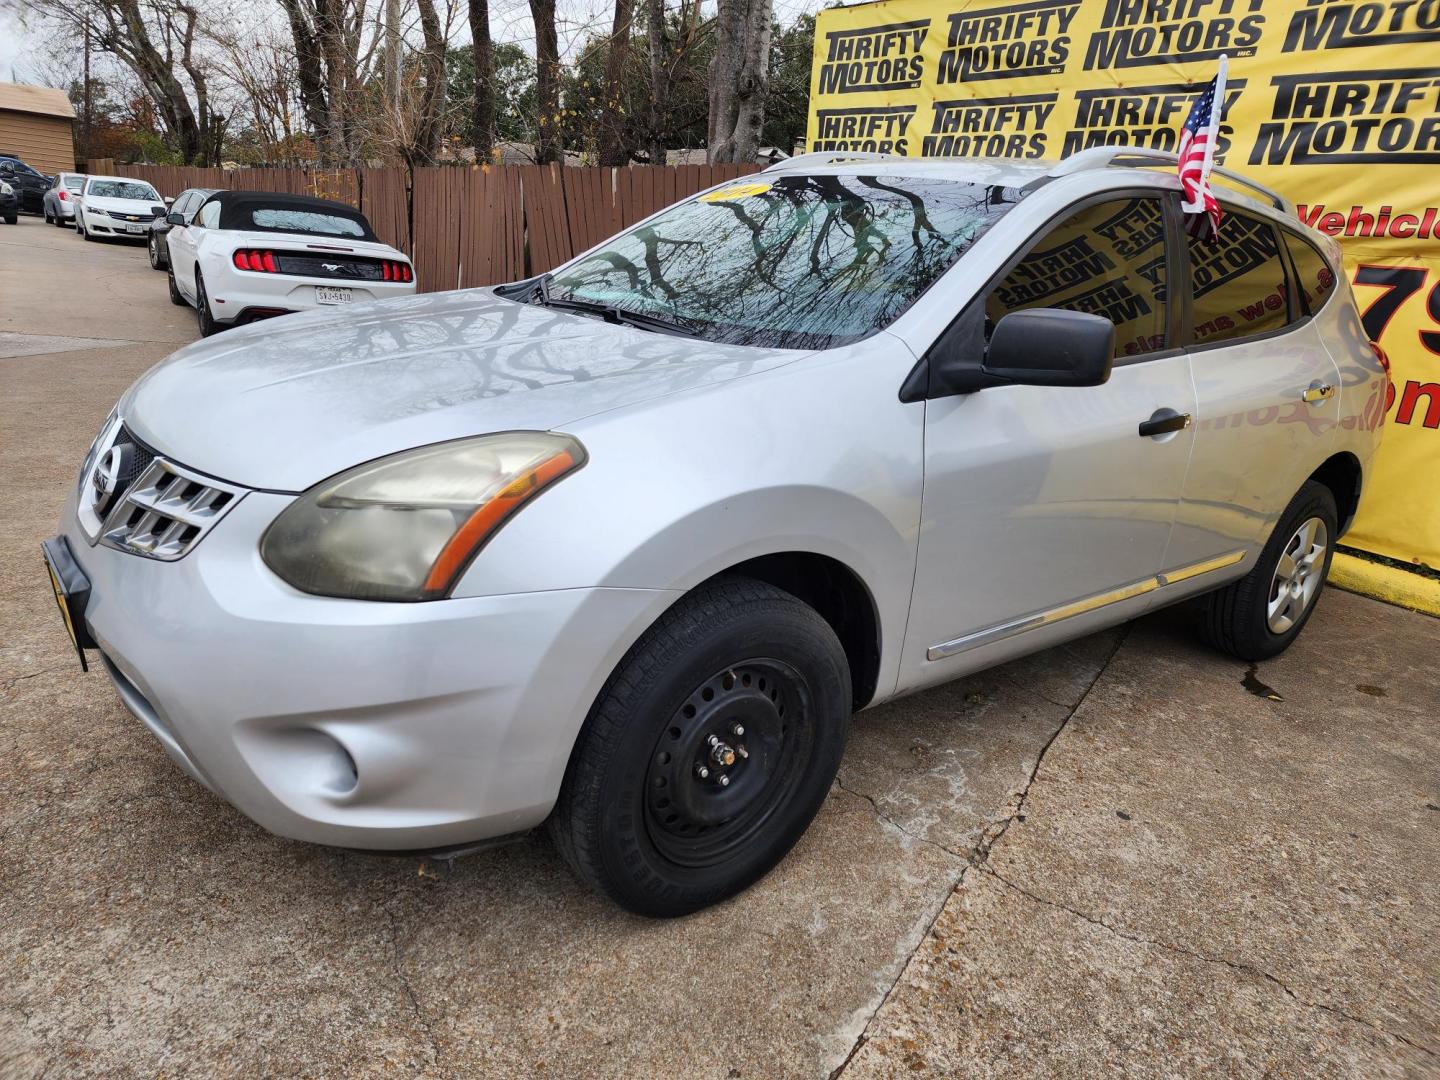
{"points": [[610, 313]]}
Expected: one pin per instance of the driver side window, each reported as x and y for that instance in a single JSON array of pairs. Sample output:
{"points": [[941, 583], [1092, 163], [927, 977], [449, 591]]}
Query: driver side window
{"points": [[209, 216], [1107, 259]]}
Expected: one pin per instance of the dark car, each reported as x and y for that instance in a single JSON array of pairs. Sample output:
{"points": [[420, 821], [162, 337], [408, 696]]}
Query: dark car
{"points": [[9, 202], [28, 184], [185, 204]]}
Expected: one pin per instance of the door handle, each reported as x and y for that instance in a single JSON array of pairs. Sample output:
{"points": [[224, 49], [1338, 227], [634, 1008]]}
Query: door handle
{"points": [[1317, 392], [1162, 422]]}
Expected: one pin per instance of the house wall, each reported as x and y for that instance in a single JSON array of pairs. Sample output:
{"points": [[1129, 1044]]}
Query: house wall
{"points": [[45, 143]]}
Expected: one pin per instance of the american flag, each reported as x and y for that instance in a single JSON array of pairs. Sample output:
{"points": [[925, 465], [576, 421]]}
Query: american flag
{"points": [[1197, 148]]}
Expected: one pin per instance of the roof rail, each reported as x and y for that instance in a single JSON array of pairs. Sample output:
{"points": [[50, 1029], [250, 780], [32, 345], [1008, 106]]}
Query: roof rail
{"points": [[1100, 157], [828, 157]]}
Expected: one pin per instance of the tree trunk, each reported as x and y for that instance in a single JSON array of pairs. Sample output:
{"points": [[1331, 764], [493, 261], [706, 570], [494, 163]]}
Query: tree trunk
{"points": [[613, 149], [483, 122], [432, 100], [738, 79], [547, 82], [309, 68], [659, 82]]}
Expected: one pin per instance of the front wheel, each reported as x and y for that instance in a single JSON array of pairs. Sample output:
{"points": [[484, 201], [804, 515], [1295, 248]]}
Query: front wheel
{"points": [[709, 751], [1258, 616], [157, 261]]}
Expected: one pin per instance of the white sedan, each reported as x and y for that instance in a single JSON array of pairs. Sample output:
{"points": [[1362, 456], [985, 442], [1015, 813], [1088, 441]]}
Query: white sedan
{"points": [[247, 255], [111, 206]]}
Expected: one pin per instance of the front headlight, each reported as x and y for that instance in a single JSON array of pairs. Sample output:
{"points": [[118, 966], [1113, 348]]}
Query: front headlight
{"points": [[6, 189], [405, 527]]}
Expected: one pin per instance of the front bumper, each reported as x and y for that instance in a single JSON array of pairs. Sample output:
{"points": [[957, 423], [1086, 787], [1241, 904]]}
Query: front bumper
{"points": [[9, 204], [109, 226], [385, 726]]}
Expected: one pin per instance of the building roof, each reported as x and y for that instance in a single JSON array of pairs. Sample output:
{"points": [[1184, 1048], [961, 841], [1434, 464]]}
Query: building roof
{"points": [[45, 100]]}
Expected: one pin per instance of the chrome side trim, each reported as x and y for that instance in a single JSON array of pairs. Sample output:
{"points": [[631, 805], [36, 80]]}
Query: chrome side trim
{"points": [[1184, 573], [992, 634]]}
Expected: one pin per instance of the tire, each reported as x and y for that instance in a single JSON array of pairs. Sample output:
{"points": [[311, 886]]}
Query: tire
{"points": [[1249, 618], [208, 325], [637, 819], [157, 262], [58, 221], [12, 219], [45, 214], [175, 297]]}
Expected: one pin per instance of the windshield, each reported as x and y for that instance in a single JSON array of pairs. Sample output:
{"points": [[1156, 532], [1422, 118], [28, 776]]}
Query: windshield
{"points": [[307, 221], [793, 262], [19, 166], [122, 189], [74, 183]]}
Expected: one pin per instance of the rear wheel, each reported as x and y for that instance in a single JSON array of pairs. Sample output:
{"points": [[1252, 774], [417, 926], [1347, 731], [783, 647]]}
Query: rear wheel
{"points": [[1258, 616], [208, 325], [708, 752], [175, 297]]}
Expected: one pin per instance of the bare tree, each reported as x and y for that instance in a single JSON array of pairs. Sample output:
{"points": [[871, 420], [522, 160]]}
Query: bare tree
{"points": [[425, 145], [158, 42], [655, 39], [484, 110], [547, 81], [613, 150], [738, 77]]}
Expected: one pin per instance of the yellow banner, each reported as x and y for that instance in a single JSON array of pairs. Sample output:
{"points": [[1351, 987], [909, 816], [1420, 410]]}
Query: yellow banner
{"points": [[1336, 104]]}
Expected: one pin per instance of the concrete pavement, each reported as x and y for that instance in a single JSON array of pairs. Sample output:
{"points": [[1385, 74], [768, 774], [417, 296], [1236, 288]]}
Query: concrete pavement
{"points": [[1113, 858]]}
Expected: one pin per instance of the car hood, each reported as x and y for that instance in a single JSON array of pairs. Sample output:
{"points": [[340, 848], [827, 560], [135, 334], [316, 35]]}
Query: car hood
{"points": [[286, 403]]}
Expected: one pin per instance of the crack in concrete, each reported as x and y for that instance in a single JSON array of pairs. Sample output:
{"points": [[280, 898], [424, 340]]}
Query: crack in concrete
{"points": [[11, 683], [1181, 950], [975, 860], [397, 968], [886, 819]]}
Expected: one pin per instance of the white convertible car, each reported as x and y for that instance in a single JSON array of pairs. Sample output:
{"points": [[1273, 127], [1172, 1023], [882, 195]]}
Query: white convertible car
{"points": [[247, 255]]}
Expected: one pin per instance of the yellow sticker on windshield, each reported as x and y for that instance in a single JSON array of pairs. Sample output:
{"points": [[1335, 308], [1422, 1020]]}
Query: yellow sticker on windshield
{"points": [[737, 191]]}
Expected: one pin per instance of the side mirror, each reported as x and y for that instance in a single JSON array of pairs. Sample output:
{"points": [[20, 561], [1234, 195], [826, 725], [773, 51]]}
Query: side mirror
{"points": [[175, 219], [1051, 347]]}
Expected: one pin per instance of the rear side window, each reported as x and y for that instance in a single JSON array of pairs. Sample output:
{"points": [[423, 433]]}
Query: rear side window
{"points": [[1108, 259], [1313, 275], [1237, 282], [208, 216]]}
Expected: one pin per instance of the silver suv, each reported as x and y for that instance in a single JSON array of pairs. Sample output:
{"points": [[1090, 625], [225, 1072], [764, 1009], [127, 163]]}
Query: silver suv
{"points": [[621, 547]]}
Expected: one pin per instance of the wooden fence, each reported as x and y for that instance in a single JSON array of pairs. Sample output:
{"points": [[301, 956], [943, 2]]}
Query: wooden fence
{"points": [[466, 226]]}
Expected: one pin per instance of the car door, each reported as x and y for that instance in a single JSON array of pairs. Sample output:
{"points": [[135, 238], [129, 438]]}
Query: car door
{"points": [[184, 247], [1045, 510], [1266, 390]]}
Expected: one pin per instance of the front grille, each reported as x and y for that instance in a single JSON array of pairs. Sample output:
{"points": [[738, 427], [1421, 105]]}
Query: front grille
{"points": [[152, 506], [140, 458], [166, 511]]}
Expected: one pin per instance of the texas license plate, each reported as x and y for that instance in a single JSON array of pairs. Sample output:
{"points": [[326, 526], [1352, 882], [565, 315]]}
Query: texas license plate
{"points": [[137, 226], [325, 295], [72, 591]]}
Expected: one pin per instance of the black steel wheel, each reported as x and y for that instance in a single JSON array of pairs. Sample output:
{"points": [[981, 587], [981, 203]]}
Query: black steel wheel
{"points": [[725, 762], [709, 751]]}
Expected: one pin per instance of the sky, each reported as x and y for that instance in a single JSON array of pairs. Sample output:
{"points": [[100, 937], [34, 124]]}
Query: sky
{"points": [[509, 19]]}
